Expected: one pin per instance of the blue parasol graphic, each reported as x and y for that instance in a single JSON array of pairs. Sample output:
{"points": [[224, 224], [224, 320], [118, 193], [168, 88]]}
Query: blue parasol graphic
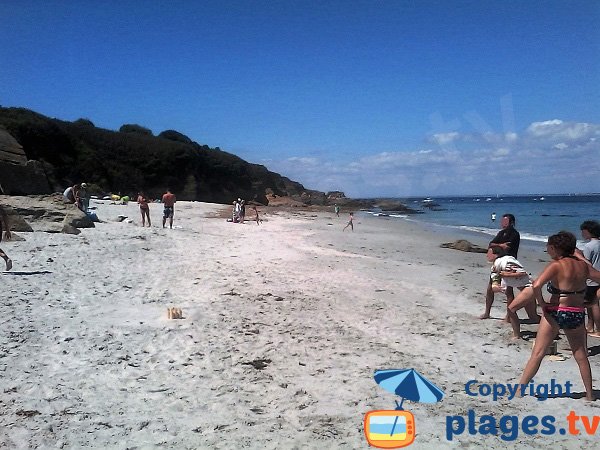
{"points": [[408, 384]]}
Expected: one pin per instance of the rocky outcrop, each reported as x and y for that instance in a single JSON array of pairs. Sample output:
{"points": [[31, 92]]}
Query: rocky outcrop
{"points": [[43, 213], [18, 176], [464, 246]]}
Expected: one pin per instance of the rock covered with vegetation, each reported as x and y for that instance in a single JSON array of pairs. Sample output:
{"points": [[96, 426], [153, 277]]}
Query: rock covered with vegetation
{"points": [[132, 159]]}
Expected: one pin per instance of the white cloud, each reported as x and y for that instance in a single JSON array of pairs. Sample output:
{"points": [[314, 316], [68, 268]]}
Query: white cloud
{"points": [[445, 138], [545, 157]]}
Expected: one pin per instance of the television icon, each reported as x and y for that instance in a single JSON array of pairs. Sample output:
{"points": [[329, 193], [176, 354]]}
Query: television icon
{"points": [[389, 429]]}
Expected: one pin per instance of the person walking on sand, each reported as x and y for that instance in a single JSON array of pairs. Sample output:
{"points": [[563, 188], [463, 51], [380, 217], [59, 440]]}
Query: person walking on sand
{"points": [[566, 279], [508, 238], [4, 225], [144, 208], [168, 200], [590, 231], [336, 209], [258, 220], [350, 223]]}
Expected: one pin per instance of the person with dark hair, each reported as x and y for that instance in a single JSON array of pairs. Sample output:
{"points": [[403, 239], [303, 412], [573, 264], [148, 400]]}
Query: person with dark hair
{"points": [[71, 193], [590, 230], [566, 278], [350, 223], [144, 208], [168, 200], [508, 239], [5, 225]]}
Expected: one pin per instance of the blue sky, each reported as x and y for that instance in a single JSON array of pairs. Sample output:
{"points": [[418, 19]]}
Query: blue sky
{"points": [[374, 98]]}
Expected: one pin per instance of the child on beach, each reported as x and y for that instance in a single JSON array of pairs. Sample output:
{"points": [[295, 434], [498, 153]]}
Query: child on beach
{"points": [[350, 224], [507, 271]]}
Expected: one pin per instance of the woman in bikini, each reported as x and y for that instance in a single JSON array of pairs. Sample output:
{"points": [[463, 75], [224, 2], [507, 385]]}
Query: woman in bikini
{"points": [[144, 208], [566, 281]]}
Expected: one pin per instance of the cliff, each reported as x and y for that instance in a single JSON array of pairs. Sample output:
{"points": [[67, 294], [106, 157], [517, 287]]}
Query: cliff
{"points": [[41, 155]]}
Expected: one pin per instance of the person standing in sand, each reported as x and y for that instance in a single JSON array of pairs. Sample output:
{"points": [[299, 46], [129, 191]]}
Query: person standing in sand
{"points": [[144, 208], [258, 220], [508, 239], [336, 209], [4, 225], [350, 223], [168, 200], [566, 276], [81, 198], [590, 231]]}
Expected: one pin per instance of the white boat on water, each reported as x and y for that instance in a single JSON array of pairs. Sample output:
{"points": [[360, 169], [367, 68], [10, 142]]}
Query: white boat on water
{"points": [[427, 200], [542, 199], [488, 199]]}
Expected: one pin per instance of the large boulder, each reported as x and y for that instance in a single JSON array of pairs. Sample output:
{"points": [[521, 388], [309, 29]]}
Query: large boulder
{"points": [[46, 213], [19, 176], [464, 246]]}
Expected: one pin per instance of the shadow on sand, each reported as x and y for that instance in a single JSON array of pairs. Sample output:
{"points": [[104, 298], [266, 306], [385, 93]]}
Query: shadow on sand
{"points": [[26, 272]]}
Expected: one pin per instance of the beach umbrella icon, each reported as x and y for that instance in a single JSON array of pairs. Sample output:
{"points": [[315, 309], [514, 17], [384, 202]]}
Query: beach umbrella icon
{"points": [[408, 384]]}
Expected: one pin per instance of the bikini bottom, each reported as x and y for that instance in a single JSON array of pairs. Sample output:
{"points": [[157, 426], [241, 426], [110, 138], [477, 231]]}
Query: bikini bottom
{"points": [[567, 317]]}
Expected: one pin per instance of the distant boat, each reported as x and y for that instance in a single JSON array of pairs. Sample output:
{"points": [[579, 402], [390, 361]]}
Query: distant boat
{"points": [[488, 199], [427, 200], [542, 199], [476, 199]]}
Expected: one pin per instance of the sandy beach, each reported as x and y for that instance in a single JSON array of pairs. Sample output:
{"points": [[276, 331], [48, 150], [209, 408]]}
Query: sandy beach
{"points": [[283, 327]]}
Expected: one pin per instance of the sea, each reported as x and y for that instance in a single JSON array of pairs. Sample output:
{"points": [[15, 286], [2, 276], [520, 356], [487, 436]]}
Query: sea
{"points": [[537, 216]]}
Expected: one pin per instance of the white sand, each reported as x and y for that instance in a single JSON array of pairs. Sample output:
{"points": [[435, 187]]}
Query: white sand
{"points": [[89, 359]]}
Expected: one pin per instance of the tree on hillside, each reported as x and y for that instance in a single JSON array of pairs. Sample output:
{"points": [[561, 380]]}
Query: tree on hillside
{"points": [[176, 136], [136, 129]]}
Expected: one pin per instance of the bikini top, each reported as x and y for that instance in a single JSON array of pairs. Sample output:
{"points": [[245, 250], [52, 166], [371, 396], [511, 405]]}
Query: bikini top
{"points": [[556, 291]]}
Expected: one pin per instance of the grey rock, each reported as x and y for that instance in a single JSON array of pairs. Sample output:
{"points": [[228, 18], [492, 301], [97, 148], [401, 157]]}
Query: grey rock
{"points": [[44, 213], [69, 229], [464, 246]]}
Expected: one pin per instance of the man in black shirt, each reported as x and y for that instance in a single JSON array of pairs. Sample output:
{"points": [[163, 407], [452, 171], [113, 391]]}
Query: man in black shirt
{"points": [[508, 239]]}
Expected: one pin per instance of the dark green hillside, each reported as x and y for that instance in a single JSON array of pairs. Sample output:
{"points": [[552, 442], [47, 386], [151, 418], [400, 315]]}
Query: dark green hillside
{"points": [[133, 159]]}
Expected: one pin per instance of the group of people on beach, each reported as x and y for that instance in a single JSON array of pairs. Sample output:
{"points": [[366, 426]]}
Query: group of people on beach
{"points": [[336, 210], [238, 213], [168, 200], [572, 279]]}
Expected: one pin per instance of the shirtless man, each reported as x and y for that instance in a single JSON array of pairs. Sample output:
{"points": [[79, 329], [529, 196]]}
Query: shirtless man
{"points": [[168, 200], [4, 225]]}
